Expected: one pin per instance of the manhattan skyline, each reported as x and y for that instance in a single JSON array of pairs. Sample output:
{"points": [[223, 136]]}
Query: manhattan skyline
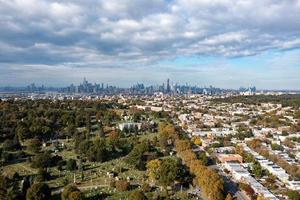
{"points": [[221, 43]]}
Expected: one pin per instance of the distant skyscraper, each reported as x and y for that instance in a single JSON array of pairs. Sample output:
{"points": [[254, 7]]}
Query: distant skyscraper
{"points": [[84, 81], [168, 86]]}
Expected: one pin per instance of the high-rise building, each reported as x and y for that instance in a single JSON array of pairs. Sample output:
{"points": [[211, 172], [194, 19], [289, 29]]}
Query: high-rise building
{"points": [[168, 86]]}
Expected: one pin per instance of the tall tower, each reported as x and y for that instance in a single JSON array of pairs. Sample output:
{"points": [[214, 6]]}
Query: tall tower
{"points": [[168, 86]]}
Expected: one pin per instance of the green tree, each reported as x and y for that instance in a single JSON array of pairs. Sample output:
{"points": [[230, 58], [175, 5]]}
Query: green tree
{"points": [[25, 185], [168, 171], [88, 123], [42, 160], [38, 191], [257, 170], [137, 195], [135, 157], [21, 131], [3, 187], [97, 151], [293, 195], [71, 192], [34, 145], [203, 158], [71, 165], [42, 175], [275, 146], [11, 145], [14, 193]]}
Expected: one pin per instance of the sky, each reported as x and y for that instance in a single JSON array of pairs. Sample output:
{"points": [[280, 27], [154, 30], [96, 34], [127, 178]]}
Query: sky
{"points": [[223, 43]]}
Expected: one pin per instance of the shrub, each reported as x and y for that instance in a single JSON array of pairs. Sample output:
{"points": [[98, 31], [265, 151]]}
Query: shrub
{"points": [[71, 192], [137, 195], [38, 191], [122, 185]]}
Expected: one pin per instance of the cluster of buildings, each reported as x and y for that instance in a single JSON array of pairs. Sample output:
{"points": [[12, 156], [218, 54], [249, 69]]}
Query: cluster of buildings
{"points": [[240, 174], [274, 169], [214, 121], [220, 126], [94, 88]]}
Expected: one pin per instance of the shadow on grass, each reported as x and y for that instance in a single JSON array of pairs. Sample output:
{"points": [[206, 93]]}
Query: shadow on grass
{"points": [[97, 197]]}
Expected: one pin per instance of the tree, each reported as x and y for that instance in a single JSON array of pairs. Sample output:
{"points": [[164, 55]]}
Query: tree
{"points": [[34, 145], [88, 123], [239, 149], [255, 143], [60, 164], [208, 180], [21, 131], [153, 167], [38, 191], [197, 140], [228, 197], [135, 157], [122, 185], [14, 193], [42, 160], [293, 195], [249, 191], [203, 158], [188, 156], [182, 145], [25, 185], [166, 134], [75, 196], [137, 195], [257, 170], [275, 146], [248, 158], [71, 192], [261, 198], [71, 165], [98, 150], [42, 175], [101, 132], [11, 145], [113, 138], [3, 187], [168, 171]]}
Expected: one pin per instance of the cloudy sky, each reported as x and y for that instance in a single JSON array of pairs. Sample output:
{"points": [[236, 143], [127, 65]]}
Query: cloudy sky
{"points": [[224, 43]]}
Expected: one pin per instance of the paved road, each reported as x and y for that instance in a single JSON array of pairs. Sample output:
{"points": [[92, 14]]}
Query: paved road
{"points": [[241, 196], [229, 185]]}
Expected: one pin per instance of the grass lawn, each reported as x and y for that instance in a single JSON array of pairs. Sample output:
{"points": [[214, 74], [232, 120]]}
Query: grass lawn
{"points": [[22, 169], [147, 136]]}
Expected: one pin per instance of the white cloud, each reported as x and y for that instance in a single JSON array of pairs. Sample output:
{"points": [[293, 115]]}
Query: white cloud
{"points": [[214, 27], [141, 32], [289, 44]]}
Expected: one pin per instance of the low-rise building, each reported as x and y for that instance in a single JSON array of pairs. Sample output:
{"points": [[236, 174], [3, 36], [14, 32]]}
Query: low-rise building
{"points": [[129, 125], [229, 158], [240, 174], [293, 185]]}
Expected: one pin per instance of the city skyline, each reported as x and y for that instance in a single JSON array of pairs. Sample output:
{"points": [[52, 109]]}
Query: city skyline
{"points": [[221, 43], [166, 87]]}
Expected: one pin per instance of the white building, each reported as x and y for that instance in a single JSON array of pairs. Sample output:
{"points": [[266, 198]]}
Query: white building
{"points": [[129, 125], [293, 185], [240, 174]]}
